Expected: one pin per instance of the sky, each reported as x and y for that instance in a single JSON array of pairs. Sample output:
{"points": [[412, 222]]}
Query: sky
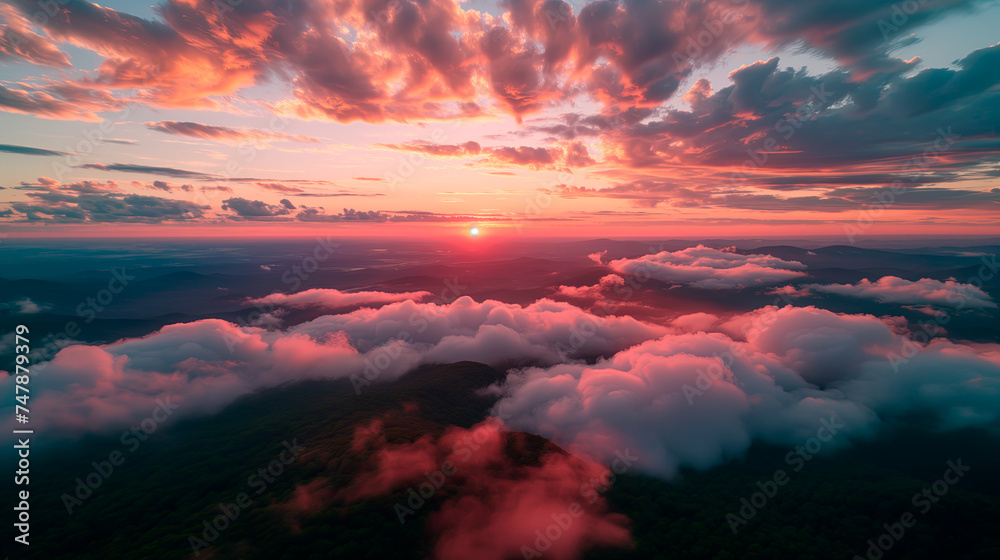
{"points": [[398, 117]]}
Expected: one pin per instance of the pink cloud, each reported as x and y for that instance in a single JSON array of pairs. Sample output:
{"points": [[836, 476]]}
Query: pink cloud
{"points": [[206, 364], [597, 291], [498, 508], [332, 299], [790, 291]]}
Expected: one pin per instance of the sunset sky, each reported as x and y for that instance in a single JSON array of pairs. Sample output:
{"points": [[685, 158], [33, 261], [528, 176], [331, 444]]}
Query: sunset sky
{"points": [[387, 117]]}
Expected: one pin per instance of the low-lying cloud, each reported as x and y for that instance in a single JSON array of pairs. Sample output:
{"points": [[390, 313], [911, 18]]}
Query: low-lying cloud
{"points": [[705, 267], [206, 364], [892, 289], [696, 399], [333, 299]]}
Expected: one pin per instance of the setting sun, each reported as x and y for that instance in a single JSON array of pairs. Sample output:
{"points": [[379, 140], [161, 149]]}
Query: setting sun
{"points": [[474, 232]]}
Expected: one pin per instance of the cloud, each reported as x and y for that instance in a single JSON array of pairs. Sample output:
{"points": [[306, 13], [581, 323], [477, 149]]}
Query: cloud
{"points": [[147, 169], [773, 127], [491, 332], [442, 150], [500, 506], [223, 133], [204, 365], [25, 306], [597, 291], [96, 205], [696, 322], [704, 267], [891, 289], [790, 291], [255, 209], [767, 127], [332, 299], [698, 399], [348, 215], [49, 185], [24, 150], [427, 60], [278, 187], [218, 188], [308, 214], [572, 154], [64, 101], [164, 186], [18, 42]]}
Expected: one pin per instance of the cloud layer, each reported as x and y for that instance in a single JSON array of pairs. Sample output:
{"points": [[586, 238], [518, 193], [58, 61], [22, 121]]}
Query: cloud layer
{"points": [[892, 289], [704, 267], [206, 364], [332, 299], [696, 399]]}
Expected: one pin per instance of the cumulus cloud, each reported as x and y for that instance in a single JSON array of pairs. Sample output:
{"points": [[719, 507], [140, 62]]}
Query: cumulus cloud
{"points": [[789, 291], [697, 399], [629, 57], [257, 210], [206, 364], [891, 289], [597, 291], [307, 214], [597, 257], [92, 202], [332, 299], [704, 267]]}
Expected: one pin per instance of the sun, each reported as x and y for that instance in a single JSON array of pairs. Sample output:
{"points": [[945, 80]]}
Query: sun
{"points": [[474, 232]]}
